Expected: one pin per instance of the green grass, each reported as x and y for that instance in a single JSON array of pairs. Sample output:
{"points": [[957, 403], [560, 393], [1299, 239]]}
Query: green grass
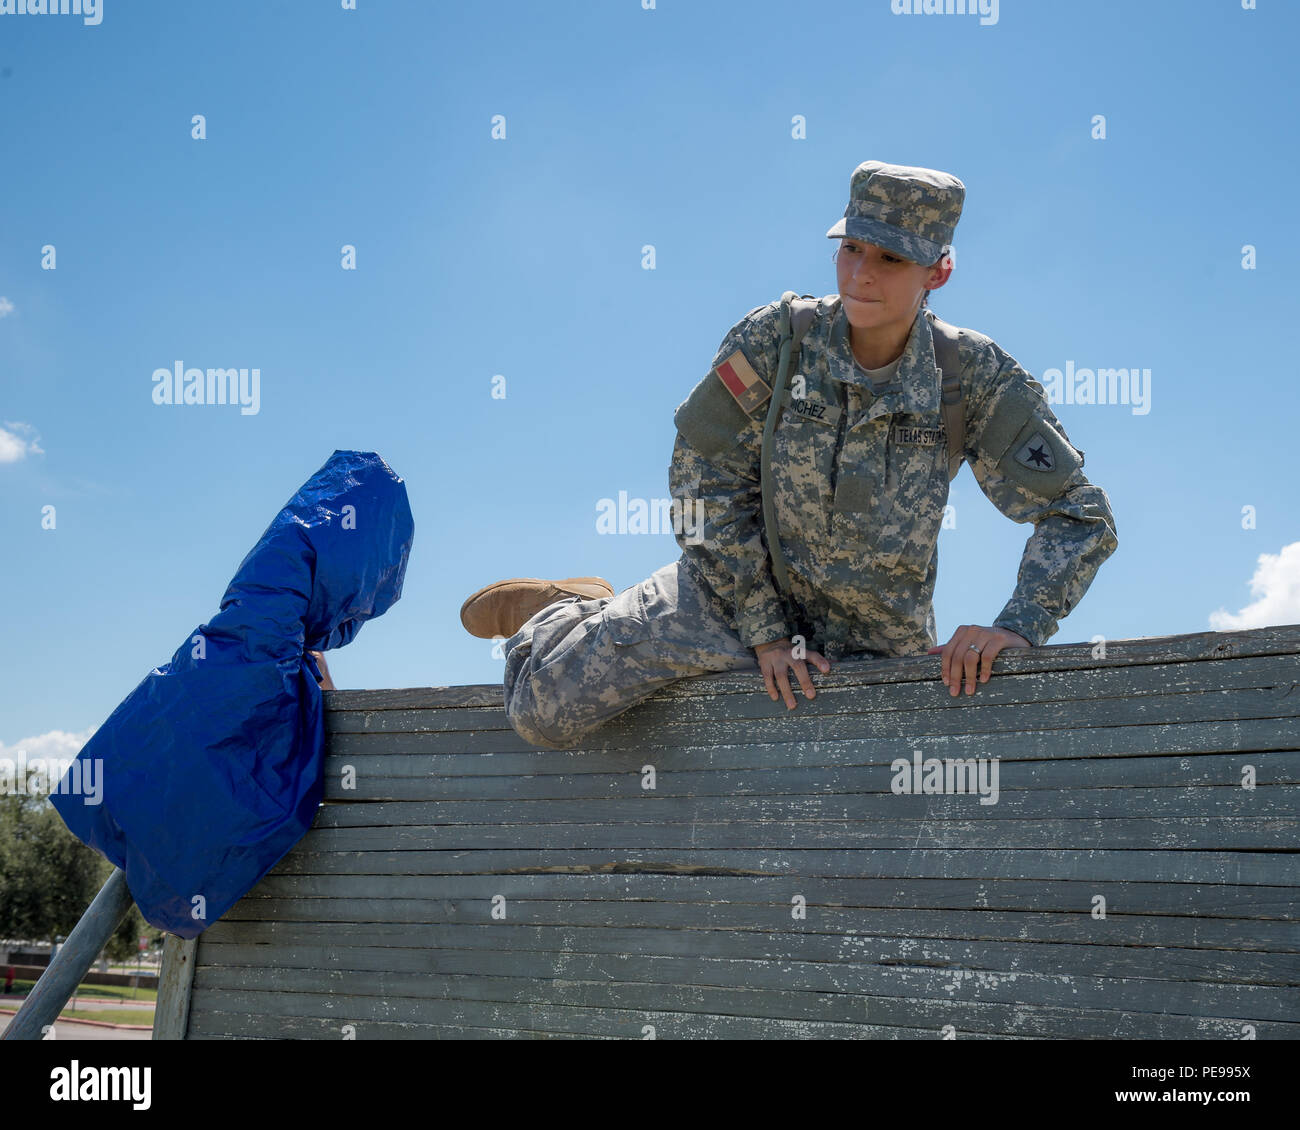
{"points": [[98, 993]]}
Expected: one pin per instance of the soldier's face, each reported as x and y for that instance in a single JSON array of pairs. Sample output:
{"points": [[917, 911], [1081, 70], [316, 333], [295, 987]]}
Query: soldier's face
{"points": [[881, 289]]}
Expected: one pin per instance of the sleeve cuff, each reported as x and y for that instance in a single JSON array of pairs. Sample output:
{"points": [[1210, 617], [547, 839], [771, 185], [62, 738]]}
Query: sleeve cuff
{"points": [[768, 633], [1029, 620]]}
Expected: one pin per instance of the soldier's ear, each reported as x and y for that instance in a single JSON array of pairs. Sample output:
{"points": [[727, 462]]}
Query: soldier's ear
{"points": [[935, 282]]}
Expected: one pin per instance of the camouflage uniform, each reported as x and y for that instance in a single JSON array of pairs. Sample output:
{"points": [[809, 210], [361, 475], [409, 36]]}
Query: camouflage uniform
{"points": [[860, 481], [578, 663]]}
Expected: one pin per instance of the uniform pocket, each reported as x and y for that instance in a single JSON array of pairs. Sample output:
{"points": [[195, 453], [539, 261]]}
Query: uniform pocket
{"points": [[625, 616], [860, 480], [803, 465], [910, 513]]}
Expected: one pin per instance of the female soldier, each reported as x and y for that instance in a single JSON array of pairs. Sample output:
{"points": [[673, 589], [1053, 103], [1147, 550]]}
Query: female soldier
{"points": [[859, 473]]}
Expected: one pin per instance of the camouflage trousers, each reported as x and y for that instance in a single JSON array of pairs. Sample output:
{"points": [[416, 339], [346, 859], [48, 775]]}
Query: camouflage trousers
{"points": [[578, 663]]}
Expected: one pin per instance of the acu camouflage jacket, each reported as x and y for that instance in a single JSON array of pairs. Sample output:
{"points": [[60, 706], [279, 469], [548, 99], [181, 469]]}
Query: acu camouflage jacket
{"points": [[860, 484]]}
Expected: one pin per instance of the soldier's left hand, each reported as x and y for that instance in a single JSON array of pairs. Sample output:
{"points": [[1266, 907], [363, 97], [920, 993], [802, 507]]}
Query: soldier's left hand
{"points": [[973, 648]]}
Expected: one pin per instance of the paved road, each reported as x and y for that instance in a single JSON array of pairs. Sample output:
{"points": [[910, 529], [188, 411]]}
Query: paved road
{"points": [[73, 1032]]}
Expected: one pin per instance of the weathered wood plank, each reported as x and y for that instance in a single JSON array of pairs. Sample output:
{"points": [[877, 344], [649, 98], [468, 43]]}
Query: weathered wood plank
{"points": [[1193, 647], [420, 777], [1030, 1022], [573, 1022], [984, 727], [844, 715], [506, 752], [865, 945], [244, 1026], [1242, 833], [649, 806], [1048, 694], [1096, 865], [856, 984], [1133, 925], [1202, 648], [1156, 901], [171, 1014], [1058, 910], [600, 982], [339, 702]]}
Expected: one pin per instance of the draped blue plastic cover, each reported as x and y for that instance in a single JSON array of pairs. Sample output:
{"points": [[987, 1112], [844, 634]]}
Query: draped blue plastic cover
{"points": [[211, 769]]}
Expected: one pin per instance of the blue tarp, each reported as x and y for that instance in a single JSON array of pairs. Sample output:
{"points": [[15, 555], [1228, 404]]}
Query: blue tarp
{"points": [[212, 766]]}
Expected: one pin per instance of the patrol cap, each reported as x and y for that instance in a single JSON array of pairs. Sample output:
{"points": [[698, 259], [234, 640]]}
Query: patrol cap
{"points": [[911, 211]]}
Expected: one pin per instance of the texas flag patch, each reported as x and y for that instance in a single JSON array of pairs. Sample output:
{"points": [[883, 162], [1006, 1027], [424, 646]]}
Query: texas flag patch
{"points": [[746, 386]]}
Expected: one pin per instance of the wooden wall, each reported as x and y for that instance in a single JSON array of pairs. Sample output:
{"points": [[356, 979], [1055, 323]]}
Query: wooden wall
{"points": [[672, 912]]}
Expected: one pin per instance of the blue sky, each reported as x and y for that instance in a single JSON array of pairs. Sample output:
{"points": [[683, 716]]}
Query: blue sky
{"points": [[521, 257]]}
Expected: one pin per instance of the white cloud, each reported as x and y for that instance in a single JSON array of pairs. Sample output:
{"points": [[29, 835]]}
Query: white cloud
{"points": [[1276, 589], [55, 743], [18, 440], [6, 307]]}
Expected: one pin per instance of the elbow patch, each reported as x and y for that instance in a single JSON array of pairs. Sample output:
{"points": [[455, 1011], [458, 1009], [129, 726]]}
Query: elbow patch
{"points": [[1026, 443], [1040, 459]]}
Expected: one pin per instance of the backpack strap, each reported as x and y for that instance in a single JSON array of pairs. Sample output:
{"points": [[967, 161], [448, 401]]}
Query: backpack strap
{"points": [[945, 338], [795, 318], [802, 312]]}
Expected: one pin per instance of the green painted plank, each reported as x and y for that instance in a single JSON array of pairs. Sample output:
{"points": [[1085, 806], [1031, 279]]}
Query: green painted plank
{"points": [[967, 1018], [424, 937], [644, 728], [1249, 1003], [1209, 648], [574, 1023], [1089, 690], [648, 806], [422, 777], [506, 752], [850, 713], [1200, 833], [244, 1026], [1129, 901], [1204, 867], [867, 945], [1042, 692], [575, 988], [749, 900]]}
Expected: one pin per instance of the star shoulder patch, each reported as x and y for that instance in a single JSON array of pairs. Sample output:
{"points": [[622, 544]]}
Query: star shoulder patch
{"points": [[747, 388], [1036, 453]]}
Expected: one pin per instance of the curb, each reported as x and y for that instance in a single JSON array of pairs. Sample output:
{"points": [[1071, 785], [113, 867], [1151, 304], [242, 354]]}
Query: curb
{"points": [[92, 1023]]}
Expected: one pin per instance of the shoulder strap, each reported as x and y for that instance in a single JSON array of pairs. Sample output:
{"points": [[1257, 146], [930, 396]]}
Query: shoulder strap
{"points": [[795, 318], [802, 312], [945, 339]]}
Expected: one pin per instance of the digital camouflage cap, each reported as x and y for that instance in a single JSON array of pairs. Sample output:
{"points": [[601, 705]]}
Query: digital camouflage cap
{"points": [[911, 211]]}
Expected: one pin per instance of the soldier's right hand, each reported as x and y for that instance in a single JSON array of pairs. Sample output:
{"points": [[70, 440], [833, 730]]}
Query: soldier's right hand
{"points": [[777, 659]]}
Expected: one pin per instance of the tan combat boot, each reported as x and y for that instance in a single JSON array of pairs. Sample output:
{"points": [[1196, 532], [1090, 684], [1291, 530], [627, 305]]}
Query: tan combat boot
{"points": [[501, 609]]}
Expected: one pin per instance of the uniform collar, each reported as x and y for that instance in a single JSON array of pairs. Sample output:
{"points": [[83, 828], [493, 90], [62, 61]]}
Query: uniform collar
{"points": [[915, 388]]}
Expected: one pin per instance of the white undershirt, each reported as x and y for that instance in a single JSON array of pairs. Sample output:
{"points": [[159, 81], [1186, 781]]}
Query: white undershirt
{"points": [[882, 376]]}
